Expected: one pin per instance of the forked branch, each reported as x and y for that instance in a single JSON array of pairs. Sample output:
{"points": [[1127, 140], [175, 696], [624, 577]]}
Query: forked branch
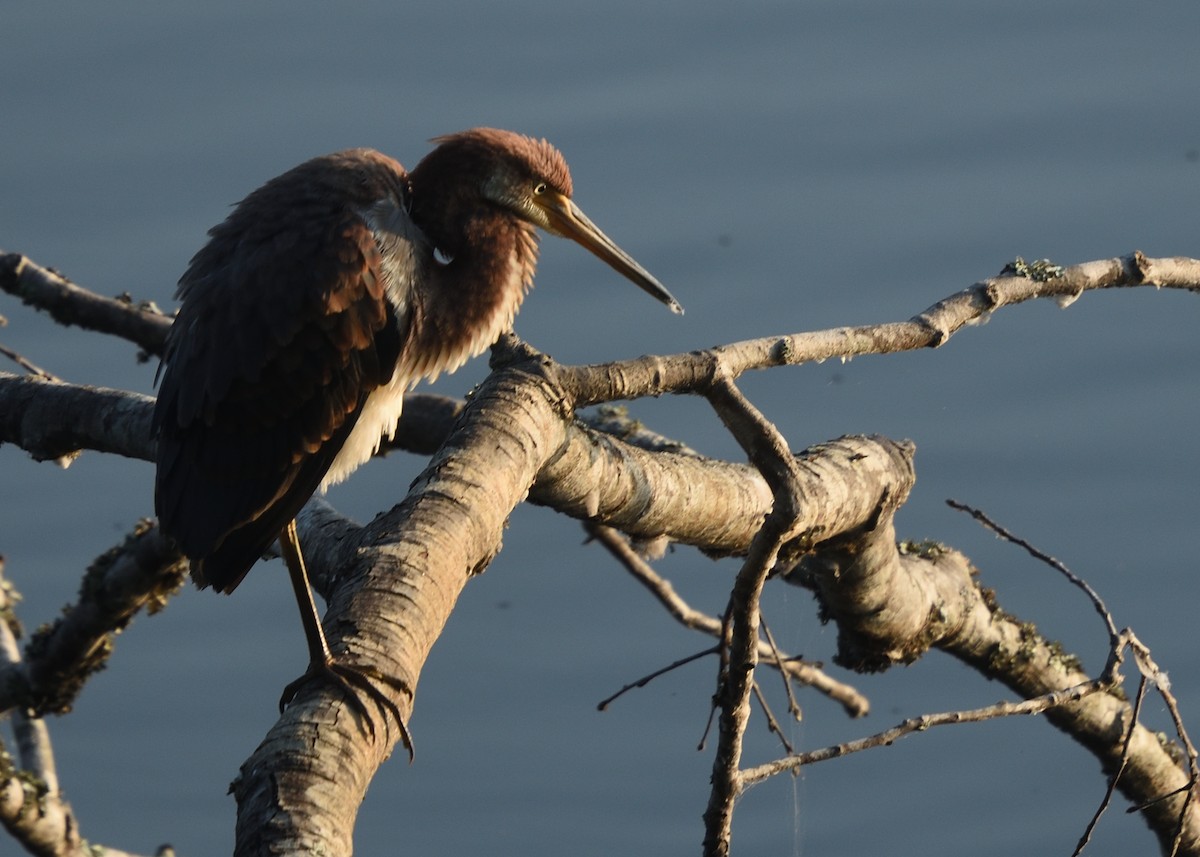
{"points": [[828, 514]]}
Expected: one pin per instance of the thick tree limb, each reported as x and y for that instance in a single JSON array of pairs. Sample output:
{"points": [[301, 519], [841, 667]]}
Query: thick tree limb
{"points": [[713, 505], [52, 421], [414, 562], [892, 607], [301, 788]]}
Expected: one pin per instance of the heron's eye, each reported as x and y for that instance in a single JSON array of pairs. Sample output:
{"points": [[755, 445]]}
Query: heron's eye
{"points": [[539, 188]]}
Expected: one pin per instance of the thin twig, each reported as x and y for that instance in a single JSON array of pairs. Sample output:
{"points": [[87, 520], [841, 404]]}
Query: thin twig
{"points": [[772, 723], [805, 672], [886, 738], [793, 705], [722, 673], [1091, 593], [27, 364], [646, 679], [1153, 674], [1126, 742], [1149, 670]]}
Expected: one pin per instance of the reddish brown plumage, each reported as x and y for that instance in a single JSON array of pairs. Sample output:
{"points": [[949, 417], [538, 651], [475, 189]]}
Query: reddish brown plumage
{"points": [[318, 301]]}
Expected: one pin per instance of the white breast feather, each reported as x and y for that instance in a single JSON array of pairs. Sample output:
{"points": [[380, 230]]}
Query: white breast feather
{"points": [[404, 249]]}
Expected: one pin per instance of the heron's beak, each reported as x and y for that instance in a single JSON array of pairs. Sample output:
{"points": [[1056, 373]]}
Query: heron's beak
{"points": [[565, 219]]}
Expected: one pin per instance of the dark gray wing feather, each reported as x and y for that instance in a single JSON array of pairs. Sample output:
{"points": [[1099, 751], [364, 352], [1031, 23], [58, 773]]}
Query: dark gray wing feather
{"points": [[285, 327]]}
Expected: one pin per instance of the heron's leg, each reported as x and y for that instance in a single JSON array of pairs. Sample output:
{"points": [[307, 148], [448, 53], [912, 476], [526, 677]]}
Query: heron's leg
{"points": [[289, 547], [320, 660]]}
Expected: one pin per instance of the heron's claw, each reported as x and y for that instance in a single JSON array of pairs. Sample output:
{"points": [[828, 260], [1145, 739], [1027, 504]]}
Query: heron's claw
{"points": [[351, 679]]}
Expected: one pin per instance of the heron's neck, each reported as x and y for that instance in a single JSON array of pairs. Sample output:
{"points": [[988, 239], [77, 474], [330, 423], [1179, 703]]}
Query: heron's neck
{"points": [[476, 289]]}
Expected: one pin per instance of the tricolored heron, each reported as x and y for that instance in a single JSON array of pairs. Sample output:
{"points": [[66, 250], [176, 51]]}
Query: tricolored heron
{"points": [[323, 297]]}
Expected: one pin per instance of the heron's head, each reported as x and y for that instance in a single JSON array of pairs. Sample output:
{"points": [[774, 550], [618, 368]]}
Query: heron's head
{"points": [[528, 178]]}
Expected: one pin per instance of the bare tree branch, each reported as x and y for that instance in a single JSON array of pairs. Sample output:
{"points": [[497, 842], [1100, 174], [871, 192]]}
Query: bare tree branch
{"points": [[141, 573], [399, 577], [655, 375], [392, 584], [68, 304], [891, 608], [32, 807], [853, 702], [769, 452], [915, 725]]}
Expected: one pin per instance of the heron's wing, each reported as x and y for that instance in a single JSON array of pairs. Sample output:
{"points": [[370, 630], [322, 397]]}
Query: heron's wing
{"points": [[285, 327]]}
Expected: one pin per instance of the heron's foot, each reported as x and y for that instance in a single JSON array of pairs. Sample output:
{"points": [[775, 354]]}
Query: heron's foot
{"points": [[351, 680]]}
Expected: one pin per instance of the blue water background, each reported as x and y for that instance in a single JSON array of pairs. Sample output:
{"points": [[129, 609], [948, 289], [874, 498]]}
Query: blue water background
{"points": [[781, 166]]}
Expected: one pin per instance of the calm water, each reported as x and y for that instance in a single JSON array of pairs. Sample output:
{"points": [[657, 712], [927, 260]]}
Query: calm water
{"points": [[781, 167]]}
